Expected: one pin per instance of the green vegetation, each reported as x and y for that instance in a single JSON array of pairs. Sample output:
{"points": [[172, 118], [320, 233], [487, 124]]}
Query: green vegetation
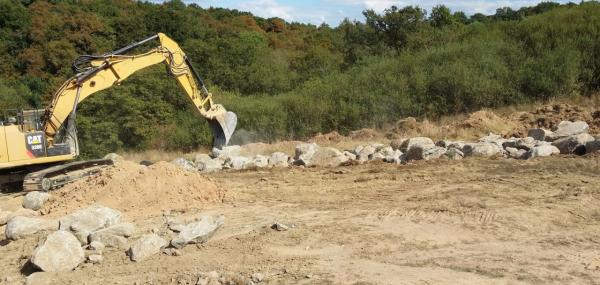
{"points": [[291, 80]]}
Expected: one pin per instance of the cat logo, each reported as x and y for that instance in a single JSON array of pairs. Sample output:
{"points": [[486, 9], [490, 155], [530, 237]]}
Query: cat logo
{"points": [[37, 139]]}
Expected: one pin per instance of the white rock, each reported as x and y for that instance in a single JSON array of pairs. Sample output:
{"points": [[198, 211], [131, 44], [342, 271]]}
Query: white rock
{"points": [[6, 216], [96, 245], [364, 153], [40, 278], [226, 152], [481, 149], [35, 200], [86, 221], [279, 159], [422, 142], [60, 252], [108, 240], [114, 157], [567, 128], [238, 162], [327, 157], [198, 232], [304, 153], [517, 153], [544, 150], [208, 166], [349, 155], [260, 161], [184, 163], [20, 227], [202, 158], [146, 246], [95, 258]]}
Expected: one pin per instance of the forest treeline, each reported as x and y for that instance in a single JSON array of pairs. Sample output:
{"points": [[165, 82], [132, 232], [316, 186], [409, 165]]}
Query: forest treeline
{"points": [[291, 80]]}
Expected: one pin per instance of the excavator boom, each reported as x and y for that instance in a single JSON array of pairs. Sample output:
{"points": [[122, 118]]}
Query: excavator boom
{"points": [[101, 72]]}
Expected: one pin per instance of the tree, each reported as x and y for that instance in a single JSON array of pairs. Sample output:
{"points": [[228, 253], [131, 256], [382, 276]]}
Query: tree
{"points": [[441, 16]]}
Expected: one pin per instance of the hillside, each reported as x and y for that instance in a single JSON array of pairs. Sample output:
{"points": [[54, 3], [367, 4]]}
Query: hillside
{"points": [[293, 80]]}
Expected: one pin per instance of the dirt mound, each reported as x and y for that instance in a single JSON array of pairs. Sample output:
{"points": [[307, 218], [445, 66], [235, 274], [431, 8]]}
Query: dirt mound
{"points": [[363, 134], [138, 190], [549, 116], [328, 137]]}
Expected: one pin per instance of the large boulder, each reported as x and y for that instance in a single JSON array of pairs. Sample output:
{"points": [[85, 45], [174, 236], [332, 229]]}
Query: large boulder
{"points": [[517, 153], [482, 149], [434, 153], [86, 221], [363, 153], [493, 139], [20, 227], [198, 232], [113, 236], [567, 129], [327, 157], [304, 152], [260, 161], [35, 200], [421, 142], [184, 163], [226, 152], [6, 216], [544, 150], [279, 159], [539, 134], [146, 246], [238, 162], [573, 144], [61, 251], [592, 146], [520, 143], [210, 165]]}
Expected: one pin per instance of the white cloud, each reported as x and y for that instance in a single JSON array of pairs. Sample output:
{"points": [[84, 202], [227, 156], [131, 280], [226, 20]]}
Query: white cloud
{"points": [[268, 9]]}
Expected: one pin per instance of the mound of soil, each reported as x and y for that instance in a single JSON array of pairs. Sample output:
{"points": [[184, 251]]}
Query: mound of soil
{"points": [[549, 116], [138, 191]]}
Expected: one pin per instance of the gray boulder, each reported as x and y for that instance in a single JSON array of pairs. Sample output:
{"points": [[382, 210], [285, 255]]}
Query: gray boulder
{"points": [[517, 153], [327, 157], [198, 232], [20, 227], [35, 200], [146, 246], [184, 163], [573, 144], [60, 251], [86, 221], [520, 143], [304, 153], [421, 142], [539, 134], [279, 159], [567, 128], [482, 149], [454, 154], [592, 146], [493, 139], [544, 150]]}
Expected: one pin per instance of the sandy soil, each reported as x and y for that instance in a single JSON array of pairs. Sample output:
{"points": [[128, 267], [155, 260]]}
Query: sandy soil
{"points": [[438, 222]]}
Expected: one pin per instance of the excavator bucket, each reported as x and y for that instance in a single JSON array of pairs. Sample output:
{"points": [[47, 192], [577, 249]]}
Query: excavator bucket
{"points": [[222, 125]]}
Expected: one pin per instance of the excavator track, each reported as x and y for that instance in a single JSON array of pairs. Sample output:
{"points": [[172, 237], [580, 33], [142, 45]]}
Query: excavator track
{"points": [[59, 175]]}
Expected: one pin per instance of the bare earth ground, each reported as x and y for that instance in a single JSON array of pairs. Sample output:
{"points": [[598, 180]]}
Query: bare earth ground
{"points": [[475, 221]]}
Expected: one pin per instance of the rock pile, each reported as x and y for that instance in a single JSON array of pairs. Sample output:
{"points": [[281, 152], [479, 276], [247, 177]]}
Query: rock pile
{"points": [[567, 138]]}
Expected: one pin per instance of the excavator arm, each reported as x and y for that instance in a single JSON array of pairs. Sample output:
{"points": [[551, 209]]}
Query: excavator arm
{"points": [[97, 73]]}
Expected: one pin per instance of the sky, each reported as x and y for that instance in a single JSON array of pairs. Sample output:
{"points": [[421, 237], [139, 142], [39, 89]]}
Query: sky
{"points": [[333, 12]]}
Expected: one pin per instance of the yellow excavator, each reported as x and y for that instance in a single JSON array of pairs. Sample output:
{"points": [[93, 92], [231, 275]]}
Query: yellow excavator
{"points": [[37, 147]]}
